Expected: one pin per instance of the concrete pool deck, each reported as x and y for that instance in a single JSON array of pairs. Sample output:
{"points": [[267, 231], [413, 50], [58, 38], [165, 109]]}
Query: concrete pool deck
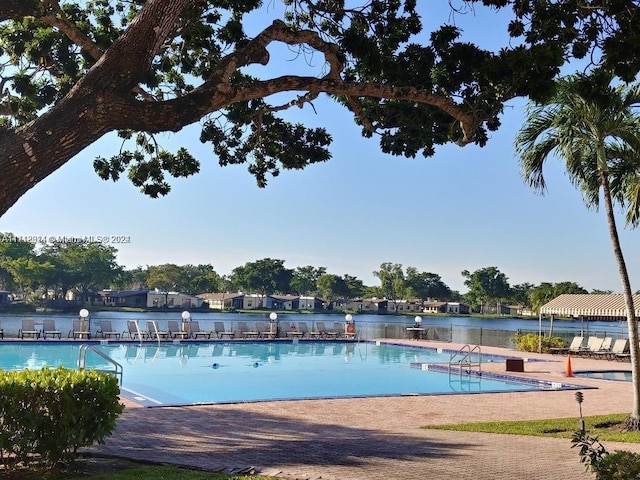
{"points": [[378, 438]]}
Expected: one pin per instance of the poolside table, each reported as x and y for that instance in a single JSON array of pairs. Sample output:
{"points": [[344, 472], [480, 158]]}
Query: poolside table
{"points": [[417, 333]]}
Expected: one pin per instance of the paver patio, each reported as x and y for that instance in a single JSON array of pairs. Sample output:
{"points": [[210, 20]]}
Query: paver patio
{"points": [[377, 438]]}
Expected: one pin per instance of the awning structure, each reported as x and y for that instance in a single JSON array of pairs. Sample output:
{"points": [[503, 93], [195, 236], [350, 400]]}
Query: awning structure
{"points": [[589, 305]]}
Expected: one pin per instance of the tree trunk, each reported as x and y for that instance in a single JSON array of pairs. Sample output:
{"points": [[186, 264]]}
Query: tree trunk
{"points": [[633, 423]]}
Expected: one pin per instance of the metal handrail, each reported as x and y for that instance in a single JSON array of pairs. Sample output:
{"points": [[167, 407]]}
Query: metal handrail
{"points": [[82, 360], [465, 361]]}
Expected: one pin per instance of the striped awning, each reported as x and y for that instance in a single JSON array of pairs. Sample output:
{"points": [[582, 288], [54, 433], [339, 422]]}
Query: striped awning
{"points": [[589, 304]]}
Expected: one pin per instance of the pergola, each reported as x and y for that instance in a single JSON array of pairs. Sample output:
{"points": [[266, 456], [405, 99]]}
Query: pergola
{"points": [[587, 306]]}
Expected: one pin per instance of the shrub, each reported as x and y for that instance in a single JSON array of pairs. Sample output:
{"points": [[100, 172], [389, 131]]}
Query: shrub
{"points": [[46, 415], [529, 342], [621, 465]]}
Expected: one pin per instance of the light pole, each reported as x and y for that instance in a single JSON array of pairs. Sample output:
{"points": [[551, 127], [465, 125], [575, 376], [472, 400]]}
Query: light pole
{"points": [[417, 334], [84, 316], [186, 317], [349, 325], [273, 324]]}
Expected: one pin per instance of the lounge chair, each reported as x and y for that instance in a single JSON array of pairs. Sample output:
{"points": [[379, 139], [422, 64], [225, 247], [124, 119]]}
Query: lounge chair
{"points": [[29, 329], [154, 332], [175, 331], [315, 333], [303, 328], [49, 328], [293, 332], [264, 331], [221, 331], [593, 345], [605, 348], [106, 330], [133, 329], [324, 331], [620, 350], [574, 346], [80, 329], [243, 329], [194, 329], [338, 328]]}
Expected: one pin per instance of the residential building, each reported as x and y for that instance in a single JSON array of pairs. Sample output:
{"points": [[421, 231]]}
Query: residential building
{"points": [[223, 301]]}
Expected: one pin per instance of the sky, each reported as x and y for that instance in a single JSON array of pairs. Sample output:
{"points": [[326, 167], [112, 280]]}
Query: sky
{"points": [[465, 208]]}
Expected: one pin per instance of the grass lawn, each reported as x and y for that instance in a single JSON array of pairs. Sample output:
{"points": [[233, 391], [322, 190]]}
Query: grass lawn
{"points": [[605, 427]]}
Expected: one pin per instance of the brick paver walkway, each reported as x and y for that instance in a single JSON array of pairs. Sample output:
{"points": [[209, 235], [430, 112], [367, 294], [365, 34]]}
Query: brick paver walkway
{"points": [[376, 438]]}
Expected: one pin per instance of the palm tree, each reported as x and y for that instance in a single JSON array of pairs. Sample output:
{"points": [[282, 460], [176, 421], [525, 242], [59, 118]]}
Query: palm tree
{"points": [[594, 128]]}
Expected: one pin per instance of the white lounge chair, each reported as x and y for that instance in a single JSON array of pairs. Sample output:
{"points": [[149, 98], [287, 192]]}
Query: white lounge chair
{"points": [[194, 330], [80, 329], [221, 331], [49, 328], [574, 347], [106, 330], [28, 329], [175, 331], [154, 331], [133, 329]]}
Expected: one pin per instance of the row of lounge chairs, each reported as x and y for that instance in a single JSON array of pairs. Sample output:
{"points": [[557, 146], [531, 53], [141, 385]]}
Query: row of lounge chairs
{"points": [[181, 330], [191, 329], [597, 347]]}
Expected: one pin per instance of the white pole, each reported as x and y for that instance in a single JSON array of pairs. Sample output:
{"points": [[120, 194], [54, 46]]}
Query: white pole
{"points": [[539, 332]]}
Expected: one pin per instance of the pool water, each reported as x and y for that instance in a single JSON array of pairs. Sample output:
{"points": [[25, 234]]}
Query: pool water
{"points": [[618, 375], [244, 371]]}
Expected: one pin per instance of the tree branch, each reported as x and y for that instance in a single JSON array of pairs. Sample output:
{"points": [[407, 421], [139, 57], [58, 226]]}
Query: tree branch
{"points": [[61, 22], [174, 114]]}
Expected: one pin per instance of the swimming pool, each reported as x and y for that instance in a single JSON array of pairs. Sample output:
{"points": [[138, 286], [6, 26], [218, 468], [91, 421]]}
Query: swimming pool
{"points": [[618, 375], [190, 373]]}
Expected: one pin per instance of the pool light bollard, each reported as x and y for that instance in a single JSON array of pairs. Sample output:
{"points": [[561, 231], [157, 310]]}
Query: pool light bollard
{"points": [[417, 334], [568, 372], [580, 399], [349, 326], [186, 319], [85, 317], [273, 324]]}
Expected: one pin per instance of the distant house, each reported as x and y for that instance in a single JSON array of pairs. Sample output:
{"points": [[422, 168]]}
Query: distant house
{"points": [[5, 297], [512, 310], [283, 302], [457, 308], [403, 306], [222, 301], [148, 299], [251, 301], [123, 298], [364, 305], [159, 299], [434, 307], [310, 303]]}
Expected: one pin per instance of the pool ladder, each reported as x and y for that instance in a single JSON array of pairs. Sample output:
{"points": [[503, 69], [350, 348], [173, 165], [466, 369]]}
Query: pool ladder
{"points": [[463, 360], [82, 361]]}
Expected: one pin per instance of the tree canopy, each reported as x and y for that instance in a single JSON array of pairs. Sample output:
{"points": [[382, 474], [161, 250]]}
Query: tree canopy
{"points": [[73, 71]]}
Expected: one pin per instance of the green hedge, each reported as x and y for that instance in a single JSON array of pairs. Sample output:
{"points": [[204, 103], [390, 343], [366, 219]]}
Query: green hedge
{"points": [[529, 342], [46, 415]]}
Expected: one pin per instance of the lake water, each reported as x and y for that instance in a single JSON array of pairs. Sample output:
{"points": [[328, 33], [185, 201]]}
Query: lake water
{"points": [[461, 329]]}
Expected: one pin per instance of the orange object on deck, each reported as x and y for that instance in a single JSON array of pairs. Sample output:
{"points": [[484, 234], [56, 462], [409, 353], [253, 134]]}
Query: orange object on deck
{"points": [[568, 372]]}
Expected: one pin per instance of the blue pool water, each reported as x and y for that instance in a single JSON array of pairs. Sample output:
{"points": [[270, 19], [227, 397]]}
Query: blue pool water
{"points": [[243, 371], [619, 375]]}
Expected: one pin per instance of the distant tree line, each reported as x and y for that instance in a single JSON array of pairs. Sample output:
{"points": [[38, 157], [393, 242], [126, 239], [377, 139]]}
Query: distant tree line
{"points": [[49, 271]]}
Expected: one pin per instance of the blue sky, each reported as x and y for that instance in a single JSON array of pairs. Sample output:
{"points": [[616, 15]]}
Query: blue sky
{"points": [[463, 209]]}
